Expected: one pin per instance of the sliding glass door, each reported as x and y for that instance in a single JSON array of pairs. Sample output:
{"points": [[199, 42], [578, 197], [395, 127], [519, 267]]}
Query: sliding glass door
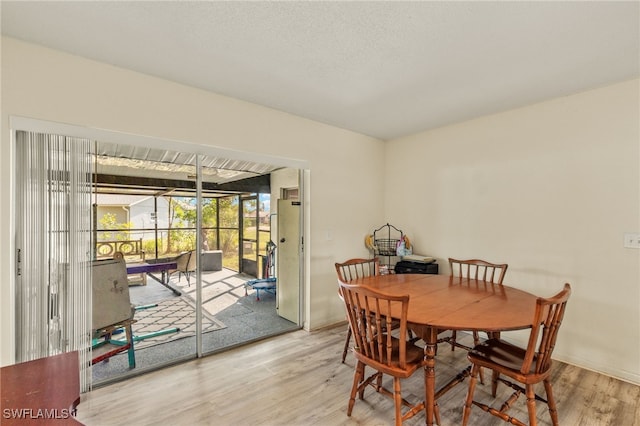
{"points": [[146, 211], [182, 252]]}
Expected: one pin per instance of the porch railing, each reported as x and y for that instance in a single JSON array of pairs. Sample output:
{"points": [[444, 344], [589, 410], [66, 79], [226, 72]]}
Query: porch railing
{"points": [[106, 249]]}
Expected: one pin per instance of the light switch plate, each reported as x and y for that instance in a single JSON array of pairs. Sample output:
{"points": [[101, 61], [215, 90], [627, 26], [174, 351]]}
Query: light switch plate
{"points": [[632, 240]]}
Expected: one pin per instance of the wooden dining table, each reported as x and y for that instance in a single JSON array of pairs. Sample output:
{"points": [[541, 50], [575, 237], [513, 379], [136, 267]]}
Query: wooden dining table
{"points": [[40, 392], [439, 302]]}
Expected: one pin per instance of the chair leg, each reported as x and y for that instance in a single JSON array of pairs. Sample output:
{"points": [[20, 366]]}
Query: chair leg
{"points": [[481, 375], [346, 344], [436, 413], [453, 339], [358, 375], [476, 341], [476, 338], [551, 402], [397, 400], [531, 405], [361, 389], [469, 400], [494, 382], [378, 382]]}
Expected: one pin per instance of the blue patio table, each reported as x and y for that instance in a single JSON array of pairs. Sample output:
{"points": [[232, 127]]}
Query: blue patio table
{"points": [[148, 268]]}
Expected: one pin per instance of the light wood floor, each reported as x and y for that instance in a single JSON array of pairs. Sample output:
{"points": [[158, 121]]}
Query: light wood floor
{"points": [[297, 379]]}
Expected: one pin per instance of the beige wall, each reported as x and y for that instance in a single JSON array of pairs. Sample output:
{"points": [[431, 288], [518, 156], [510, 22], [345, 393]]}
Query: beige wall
{"points": [[549, 189], [49, 85]]}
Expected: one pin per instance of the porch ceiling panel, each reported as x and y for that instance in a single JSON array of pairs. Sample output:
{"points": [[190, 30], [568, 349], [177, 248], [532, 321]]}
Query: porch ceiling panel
{"points": [[135, 161]]}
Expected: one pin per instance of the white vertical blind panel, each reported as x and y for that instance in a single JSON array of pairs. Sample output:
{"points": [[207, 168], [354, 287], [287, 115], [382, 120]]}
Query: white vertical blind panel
{"points": [[53, 238]]}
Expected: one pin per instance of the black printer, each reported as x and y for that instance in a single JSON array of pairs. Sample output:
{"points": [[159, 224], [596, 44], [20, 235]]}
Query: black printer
{"points": [[416, 265]]}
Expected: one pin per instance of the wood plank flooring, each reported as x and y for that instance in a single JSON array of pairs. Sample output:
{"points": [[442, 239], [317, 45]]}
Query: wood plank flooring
{"points": [[297, 379]]}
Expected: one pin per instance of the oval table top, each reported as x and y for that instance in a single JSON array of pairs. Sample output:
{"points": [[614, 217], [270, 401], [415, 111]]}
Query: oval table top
{"points": [[454, 303]]}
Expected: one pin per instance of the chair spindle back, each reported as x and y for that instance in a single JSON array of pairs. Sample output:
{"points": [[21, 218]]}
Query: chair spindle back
{"points": [[547, 320], [352, 269], [478, 269], [370, 317]]}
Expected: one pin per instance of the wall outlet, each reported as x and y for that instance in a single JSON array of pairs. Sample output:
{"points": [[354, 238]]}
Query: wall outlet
{"points": [[632, 240]]}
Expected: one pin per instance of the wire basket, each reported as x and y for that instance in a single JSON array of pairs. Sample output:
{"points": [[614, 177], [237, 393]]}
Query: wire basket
{"points": [[386, 247]]}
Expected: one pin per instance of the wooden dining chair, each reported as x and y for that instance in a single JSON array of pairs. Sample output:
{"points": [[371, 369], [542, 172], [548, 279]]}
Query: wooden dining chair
{"points": [[528, 366], [350, 270], [478, 270], [369, 313]]}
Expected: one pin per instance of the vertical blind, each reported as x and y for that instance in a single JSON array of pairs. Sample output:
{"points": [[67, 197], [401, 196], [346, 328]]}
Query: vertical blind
{"points": [[53, 243]]}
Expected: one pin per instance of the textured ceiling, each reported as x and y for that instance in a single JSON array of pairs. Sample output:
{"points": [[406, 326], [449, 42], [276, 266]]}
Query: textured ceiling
{"points": [[384, 69]]}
